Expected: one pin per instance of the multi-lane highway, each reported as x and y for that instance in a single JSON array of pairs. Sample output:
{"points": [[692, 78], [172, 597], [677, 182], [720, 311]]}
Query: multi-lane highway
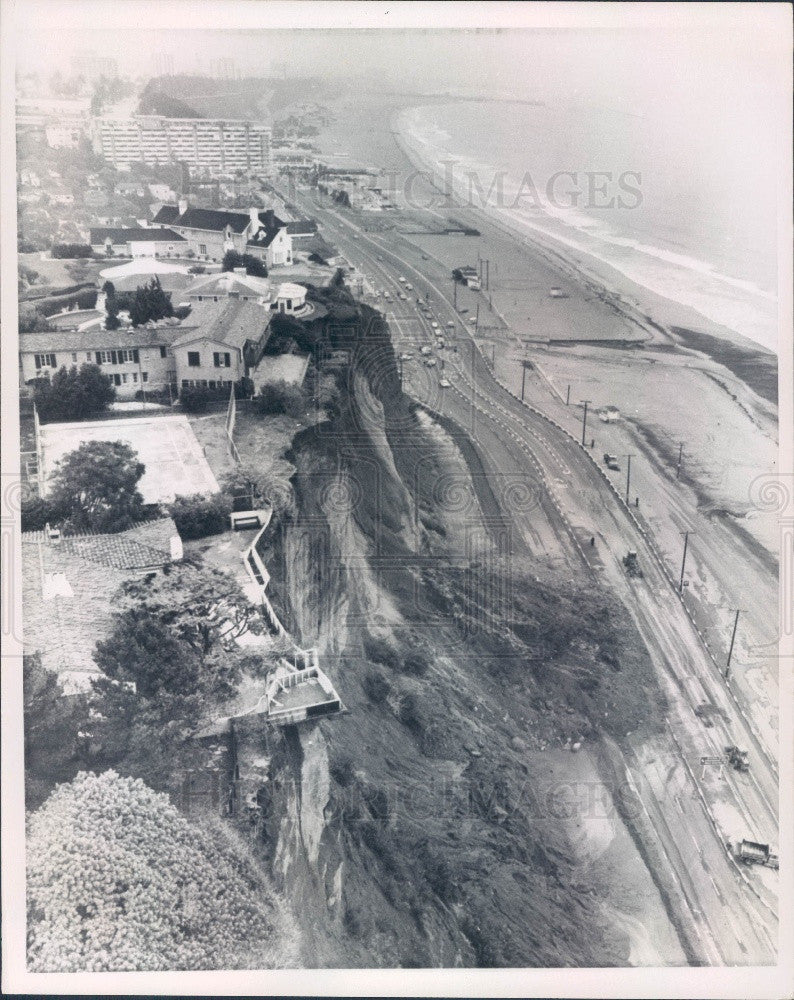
{"points": [[693, 811]]}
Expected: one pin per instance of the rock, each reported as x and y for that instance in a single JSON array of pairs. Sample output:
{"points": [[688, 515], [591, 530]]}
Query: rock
{"points": [[518, 743], [575, 747]]}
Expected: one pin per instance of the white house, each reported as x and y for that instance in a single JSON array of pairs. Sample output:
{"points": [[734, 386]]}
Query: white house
{"points": [[137, 242], [225, 342], [211, 233]]}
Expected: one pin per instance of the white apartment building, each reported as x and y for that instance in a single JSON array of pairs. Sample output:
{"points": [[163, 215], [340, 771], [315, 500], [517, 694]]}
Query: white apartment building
{"points": [[208, 145]]}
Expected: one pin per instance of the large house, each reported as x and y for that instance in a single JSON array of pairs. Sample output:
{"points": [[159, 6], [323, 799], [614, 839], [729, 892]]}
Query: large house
{"points": [[133, 359], [224, 344], [139, 242], [210, 232]]}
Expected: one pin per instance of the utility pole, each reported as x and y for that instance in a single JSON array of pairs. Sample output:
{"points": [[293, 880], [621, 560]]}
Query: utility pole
{"points": [[487, 275], [733, 639], [628, 477], [680, 453], [477, 320], [455, 294], [523, 381], [584, 420], [686, 535], [568, 396]]}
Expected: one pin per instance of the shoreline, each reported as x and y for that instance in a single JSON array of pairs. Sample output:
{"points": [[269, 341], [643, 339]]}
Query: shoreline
{"points": [[655, 306]]}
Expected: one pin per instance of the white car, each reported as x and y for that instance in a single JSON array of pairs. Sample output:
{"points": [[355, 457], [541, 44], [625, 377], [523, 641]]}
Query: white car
{"points": [[434, 324], [444, 383], [403, 295], [450, 325], [425, 350], [401, 279], [406, 357], [431, 362], [409, 287], [473, 321]]}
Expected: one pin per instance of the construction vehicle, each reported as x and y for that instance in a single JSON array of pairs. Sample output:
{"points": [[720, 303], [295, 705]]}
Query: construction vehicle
{"points": [[749, 852], [631, 564], [737, 758]]}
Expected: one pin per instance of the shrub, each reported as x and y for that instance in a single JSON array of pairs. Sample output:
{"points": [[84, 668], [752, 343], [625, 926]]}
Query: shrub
{"points": [[182, 312], [196, 398], [281, 397], [61, 251], [380, 651], [197, 269], [410, 711], [73, 394], [416, 663], [199, 516], [37, 512], [376, 687], [341, 770], [103, 854], [87, 299]]}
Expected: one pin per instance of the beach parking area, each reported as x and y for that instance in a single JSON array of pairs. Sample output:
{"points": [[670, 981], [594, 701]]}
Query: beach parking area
{"points": [[174, 460]]}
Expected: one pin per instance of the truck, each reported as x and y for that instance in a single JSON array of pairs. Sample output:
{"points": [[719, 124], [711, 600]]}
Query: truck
{"points": [[750, 852], [631, 564], [611, 461]]}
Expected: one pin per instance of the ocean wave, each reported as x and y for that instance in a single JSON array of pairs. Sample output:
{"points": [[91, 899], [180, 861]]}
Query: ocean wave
{"points": [[731, 301]]}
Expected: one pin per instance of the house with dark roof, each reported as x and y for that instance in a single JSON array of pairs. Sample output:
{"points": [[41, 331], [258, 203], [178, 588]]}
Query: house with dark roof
{"points": [[210, 233], [69, 589], [137, 242], [224, 343]]}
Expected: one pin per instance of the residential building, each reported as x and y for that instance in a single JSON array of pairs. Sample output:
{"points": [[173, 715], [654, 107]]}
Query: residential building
{"points": [[208, 145], [140, 242], [225, 343], [234, 284], [69, 589], [133, 359], [211, 233]]}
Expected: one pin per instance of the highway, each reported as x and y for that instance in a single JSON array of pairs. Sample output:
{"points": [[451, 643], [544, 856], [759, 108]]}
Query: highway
{"points": [[731, 916]]}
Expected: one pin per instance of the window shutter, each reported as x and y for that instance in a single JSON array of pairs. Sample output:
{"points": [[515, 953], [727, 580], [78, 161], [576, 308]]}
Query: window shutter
{"points": [[135, 356], [99, 357]]}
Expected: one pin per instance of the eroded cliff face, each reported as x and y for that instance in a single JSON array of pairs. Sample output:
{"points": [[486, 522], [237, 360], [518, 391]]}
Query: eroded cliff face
{"points": [[421, 827]]}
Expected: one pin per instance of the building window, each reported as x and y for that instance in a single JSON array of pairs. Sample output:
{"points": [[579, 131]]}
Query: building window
{"points": [[186, 383], [44, 361], [117, 379], [194, 359], [74, 355], [222, 359], [162, 352], [134, 376], [144, 376], [203, 249], [88, 355]]}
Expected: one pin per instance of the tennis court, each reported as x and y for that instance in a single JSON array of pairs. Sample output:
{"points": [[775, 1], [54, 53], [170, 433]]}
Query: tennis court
{"points": [[174, 460]]}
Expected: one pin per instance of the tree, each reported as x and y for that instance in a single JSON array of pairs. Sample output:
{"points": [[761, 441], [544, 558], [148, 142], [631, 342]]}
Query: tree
{"points": [[112, 321], [73, 394], [96, 487], [253, 265], [199, 516], [52, 727], [150, 303], [119, 880]]}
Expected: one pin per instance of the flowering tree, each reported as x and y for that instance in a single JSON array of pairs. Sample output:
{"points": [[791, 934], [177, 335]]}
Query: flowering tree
{"points": [[119, 880]]}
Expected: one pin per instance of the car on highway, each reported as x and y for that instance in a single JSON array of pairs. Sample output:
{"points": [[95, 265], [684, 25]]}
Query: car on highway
{"points": [[401, 279], [403, 295], [444, 383], [473, 320], [450, 325], [431, 362], [379, 257], [441, 342], [434, 324], [409, 286], [425, 350], [406, 357]]}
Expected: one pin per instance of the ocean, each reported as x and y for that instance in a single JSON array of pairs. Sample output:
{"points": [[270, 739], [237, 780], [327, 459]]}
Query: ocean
{"points": [[685, 209]]}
